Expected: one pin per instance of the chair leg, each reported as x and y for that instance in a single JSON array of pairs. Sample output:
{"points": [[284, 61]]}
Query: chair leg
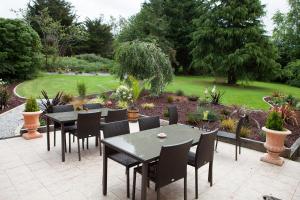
{"points": [[66, 143], [73, 138], [100, 145], [217, 140], [96, 141], [128, 182], [69, 143], [210, 174], [54, 142], [158, 193], [185, 188], [83, 143], [236, 149], [196, 183], [134, 184], [78, 144], [240, 148], [87, 143]]}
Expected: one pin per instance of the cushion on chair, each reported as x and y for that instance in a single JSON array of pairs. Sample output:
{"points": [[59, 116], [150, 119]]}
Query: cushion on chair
{"points": [[191, 158], [124, 159]]}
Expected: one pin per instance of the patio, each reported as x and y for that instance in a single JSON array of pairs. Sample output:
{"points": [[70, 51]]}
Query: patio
{"points": [[29, 171]]}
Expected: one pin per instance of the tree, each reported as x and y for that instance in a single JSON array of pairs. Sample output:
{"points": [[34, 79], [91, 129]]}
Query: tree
{"points": [[20, 50], [230, 39], [286, 33], [144, 61], [99, 38]]}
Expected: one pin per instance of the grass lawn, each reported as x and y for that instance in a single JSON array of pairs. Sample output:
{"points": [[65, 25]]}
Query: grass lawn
{"points": [[249, 95]]}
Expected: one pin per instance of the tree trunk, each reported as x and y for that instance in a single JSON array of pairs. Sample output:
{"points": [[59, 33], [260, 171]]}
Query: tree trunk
{"points": [[231, 77]]}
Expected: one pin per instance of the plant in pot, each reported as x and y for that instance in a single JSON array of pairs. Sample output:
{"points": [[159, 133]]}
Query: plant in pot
{"points": [[31, 116], [275, 136], [136, 89]]}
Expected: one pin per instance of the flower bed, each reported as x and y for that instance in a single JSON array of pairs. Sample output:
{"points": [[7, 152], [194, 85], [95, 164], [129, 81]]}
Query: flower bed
{"points": [[13, 100]]}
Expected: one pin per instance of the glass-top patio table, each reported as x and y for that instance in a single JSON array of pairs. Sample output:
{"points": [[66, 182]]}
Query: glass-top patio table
{"points": [[66, 117], [145, 146]]}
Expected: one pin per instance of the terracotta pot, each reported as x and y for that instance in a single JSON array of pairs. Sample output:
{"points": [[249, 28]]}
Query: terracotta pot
{"points": [[133, 115], [31, 123], [274, 145]]}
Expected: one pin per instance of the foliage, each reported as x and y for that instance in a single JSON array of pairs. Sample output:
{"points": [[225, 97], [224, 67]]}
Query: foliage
{"points": [[230, 40], [66, 98], [144, 61], [166, 113], [298, 106], [81, 89], [4, 95], [81, 64], [292, 73], [215, 96], [287, 114], [99, 100], [20, 50], [170, 99], [122, 104], [148, 106], [225, 112], [123, 94], [193, 97], [202, 113], [274, 121], [48, 104], [228, 125], [31, 105], [179, 93], [99, 38], [286, 34], [136, 88], [245, 132]]}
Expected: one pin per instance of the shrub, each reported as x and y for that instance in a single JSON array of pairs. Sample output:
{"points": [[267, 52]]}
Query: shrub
{"points": [[31, 105], [287, 114], [193, 98], [123, 94], [97, 100], [122, 104], [4, 95], [170, 99], [179, 93], [229, 125], [48, 103], [297, 106], [144, 61], [216, 96], [66, 98], [291, 100], [166, 113], [20, 50], [104, 96], [276, 94], [292, 73], [201, 114], [81, 89], [274, 121], [245, 132], [147, 106], [225, 112]]}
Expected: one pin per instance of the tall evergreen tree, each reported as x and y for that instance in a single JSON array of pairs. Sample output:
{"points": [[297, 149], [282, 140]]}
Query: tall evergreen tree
{"points": [[230, 39]]}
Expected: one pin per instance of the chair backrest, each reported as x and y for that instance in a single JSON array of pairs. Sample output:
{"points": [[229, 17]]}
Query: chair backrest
{"points": [[205, 148], [173, 114], [146, 123], [88, 124], [240, 124], [63, 108], [116, 128], [116, 115], [172, 164], [90, 106]]}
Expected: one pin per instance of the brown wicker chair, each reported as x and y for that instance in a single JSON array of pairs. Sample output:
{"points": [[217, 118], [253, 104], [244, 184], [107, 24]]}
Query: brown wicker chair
{"points": [[115, 129], [173, 114], [204, 155], [171, 166], [146, 123]]}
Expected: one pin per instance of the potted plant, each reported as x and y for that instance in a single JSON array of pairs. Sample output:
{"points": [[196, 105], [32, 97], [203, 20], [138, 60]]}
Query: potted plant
{"points": [[136, 90], [31, 116], [275, 136]]}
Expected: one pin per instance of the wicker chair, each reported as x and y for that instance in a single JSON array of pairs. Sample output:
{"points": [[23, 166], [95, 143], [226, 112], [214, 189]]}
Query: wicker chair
{"points": [[116, 115], [171, 166], [87, 126], [115, 129], [149, 123], [204, 154], [236, 137], [91, 106], [173, 114]]}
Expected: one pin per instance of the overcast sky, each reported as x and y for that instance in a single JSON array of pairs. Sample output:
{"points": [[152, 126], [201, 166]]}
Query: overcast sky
{"points": [[125, 8]]}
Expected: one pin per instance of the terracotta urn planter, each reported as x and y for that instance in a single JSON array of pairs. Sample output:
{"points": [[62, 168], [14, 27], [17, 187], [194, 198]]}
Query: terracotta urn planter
{"points": [[274, 145], [133, 115], [31, 123]]}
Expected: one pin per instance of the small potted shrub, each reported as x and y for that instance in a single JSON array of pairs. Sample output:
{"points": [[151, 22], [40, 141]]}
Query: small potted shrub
{"points": [[31, 116], [136, 90], [275, 136]]}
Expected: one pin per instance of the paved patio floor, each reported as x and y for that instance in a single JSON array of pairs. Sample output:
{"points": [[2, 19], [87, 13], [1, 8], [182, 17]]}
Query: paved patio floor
{"points": [[28, 172]]}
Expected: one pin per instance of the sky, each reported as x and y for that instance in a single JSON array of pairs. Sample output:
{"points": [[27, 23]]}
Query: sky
{"points": [[126, 8]]}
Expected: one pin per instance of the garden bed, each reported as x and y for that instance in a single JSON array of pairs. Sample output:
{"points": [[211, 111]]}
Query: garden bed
{"points": [[13, 101]]}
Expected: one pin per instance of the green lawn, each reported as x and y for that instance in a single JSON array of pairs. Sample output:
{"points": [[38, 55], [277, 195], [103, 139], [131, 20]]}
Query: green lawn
{"points": [[249, 95]]}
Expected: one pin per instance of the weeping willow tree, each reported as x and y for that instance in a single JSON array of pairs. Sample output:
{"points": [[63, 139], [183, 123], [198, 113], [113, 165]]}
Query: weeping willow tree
{"points": [[144, 61]]}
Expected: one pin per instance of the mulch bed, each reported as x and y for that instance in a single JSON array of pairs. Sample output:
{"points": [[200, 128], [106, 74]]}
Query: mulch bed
{"points": [[185, 106], [13, 101]]}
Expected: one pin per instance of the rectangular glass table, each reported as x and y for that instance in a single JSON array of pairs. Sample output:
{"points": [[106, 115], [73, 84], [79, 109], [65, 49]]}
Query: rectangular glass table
{"points": [[66, 117], [145, 147]]}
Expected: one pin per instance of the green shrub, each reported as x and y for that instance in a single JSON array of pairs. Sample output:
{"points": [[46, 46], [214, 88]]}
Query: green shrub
{"points": [[166, 113], [229, 125], [245, 132], [297, 106], [31, 105], [20, 50], [199, 115], [4, 95], [292, 73], [179, 93], [290, 99], [99, 100], [225, 112], [193, 98], [170, 99], [81, 89], [66, 98], [274, 121], [148, 106], [215, 96], [122, 104]]}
